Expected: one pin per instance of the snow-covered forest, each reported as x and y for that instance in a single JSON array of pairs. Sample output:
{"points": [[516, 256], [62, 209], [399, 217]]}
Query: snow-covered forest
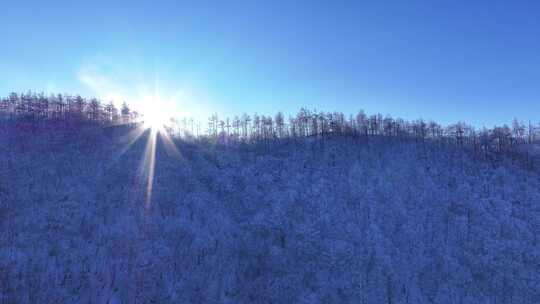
{"points": [[311, 208], [37, 111]]}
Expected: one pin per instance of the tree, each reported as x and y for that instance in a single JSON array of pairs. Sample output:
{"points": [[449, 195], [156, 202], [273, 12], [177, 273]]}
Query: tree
{"points": [[518, 131], [434, 130], [245, 126], [42, 107], [502, 138], [531, 133], [373, 125], [213, 122], [236, 124], [280, 124], [78, 108], [109, 112], [388, 126], [94, 110], [362, 123], [126, 113], [256, 126], [57, 107]]}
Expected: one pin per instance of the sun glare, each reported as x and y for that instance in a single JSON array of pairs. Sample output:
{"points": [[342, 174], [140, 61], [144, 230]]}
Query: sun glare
{"points": [[156, 114], [155, 119]]}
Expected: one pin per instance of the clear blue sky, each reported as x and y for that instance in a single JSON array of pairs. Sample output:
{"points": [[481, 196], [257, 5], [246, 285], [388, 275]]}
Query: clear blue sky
{"points": [[475, 61]]}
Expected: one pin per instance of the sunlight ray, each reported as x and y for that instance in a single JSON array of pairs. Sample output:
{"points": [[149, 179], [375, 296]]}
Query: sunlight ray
{"points": [[148, 166], [129, 139], [170, 147]]}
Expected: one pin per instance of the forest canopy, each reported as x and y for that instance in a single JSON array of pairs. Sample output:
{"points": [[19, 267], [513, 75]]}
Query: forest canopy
{"points": [[34, 109]]}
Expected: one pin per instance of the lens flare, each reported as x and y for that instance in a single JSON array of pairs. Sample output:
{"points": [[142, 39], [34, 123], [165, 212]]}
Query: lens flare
{"points": [[155, 115], [149, 165]]}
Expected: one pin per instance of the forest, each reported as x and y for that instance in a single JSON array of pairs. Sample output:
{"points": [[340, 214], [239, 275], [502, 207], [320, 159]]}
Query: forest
{"points": [[311, 208], [32, 110]]}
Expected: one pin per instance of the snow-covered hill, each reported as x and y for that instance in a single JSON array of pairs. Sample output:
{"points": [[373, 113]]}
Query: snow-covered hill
{"points": [[343, 222]]}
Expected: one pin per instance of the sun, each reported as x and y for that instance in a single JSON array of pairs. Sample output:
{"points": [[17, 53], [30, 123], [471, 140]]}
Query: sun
{"points": [[156, 114], [156, 109], [155, 118]]}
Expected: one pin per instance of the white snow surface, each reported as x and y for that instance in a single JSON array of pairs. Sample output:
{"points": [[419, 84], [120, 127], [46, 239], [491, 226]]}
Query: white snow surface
{"points": [[347, 222]]}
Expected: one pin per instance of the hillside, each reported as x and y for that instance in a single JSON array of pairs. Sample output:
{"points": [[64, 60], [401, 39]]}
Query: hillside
{"points": [[306, 221]]}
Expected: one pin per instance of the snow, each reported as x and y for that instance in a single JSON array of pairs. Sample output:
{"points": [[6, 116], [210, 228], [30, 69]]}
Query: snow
{"points": [[350, 222]]}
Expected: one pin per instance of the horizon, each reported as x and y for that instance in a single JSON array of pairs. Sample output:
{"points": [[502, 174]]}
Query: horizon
{"points": [[475, 63]]}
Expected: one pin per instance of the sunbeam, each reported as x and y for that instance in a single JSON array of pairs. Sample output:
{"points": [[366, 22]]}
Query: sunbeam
{"points": [[170, 147], [129, 139], [148, 166]]}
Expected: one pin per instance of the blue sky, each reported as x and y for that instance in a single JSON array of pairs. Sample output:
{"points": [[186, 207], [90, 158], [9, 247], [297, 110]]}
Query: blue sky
{"points": [[474, 61]]}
